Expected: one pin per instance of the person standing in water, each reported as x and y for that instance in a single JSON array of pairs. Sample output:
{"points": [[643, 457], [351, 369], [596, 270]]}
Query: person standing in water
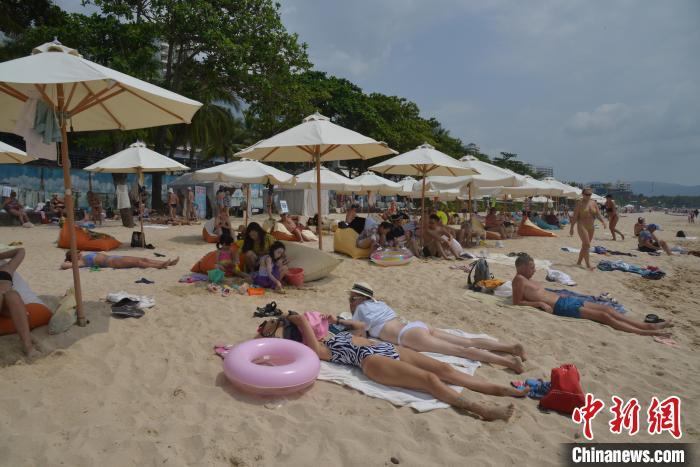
{"points": [[584, 217]]}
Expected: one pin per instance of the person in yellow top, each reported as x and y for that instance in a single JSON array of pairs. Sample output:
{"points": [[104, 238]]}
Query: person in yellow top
{"points": [[256, 243], [440, 212]]}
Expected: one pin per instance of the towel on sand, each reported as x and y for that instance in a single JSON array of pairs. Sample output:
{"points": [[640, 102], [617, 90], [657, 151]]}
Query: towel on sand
{"points": [[419, 401], [144, 301]]}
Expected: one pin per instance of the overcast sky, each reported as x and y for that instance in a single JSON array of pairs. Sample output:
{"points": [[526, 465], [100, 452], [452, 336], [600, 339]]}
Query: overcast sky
{"points": [[599, 90]]}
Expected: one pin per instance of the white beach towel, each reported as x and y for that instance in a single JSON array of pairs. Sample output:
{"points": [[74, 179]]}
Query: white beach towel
{"points": [[157, 227], [561, 277], [419, 401], [144, 302]]}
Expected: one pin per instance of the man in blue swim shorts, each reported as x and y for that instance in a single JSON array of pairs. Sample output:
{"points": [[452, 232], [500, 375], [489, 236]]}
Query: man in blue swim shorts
{"points": [[530, 293]]}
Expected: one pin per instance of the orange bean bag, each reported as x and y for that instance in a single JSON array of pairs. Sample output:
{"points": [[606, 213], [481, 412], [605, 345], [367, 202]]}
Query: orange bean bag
{"points": [[208, 261], [280, 232], [37, 314], [87, 240], [492, 235], [208, 234], [528, 229]]}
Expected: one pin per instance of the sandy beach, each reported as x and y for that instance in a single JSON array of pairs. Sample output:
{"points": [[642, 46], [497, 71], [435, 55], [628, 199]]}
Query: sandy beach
{"points": [[151, 391]]}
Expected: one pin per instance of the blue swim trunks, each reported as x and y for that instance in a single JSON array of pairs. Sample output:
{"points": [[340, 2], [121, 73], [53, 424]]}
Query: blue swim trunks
{"points": [[568, 306]]}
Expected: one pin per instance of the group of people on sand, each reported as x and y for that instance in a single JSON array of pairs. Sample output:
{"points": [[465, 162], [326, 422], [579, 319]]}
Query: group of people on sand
{"points": [[189, 208], [386, 347]]}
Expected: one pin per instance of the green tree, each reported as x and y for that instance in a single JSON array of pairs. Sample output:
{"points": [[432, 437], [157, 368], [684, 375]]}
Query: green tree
{"points": [[507, 160]]}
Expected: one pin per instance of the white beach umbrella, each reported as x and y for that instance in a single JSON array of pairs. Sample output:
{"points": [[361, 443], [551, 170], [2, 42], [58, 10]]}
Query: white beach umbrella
{"points": [[568, 190], [329, 180], [370, 182], [532, 187], [90, 97], [423, 161], [315, 140], [138, 159], [12, 155], [244, 171], [407, 184]]}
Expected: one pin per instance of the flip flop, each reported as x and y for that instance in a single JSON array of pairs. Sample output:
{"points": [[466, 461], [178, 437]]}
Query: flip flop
{"points": [[222, 350], [127, 312], [666, 341], [214, 288], [126, 301], [143, 280], [159, 255], [267, 311]]}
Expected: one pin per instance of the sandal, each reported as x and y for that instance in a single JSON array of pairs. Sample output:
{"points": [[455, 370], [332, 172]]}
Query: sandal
{"points": [[653, 319], [214, 288], [269, 310], [226, 291]]}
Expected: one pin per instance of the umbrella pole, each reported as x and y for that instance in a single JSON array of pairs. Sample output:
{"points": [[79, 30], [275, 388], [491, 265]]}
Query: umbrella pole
{"points": [[138, 183], [422, 213], [470, 202], [247, 202], [68, 199], [317, 156]]}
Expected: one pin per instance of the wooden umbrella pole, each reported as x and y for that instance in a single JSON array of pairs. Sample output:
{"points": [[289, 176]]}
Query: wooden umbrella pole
{"points": [[247, 203], [470, 202], [422, 213], [138, 183], [68, 198], [317, 156]]}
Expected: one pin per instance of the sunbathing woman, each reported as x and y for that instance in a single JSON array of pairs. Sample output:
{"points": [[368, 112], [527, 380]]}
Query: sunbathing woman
{"points": [[102, 260], [383, 323], [11, 302], [585, 214], [613, 217], [397, 366]]}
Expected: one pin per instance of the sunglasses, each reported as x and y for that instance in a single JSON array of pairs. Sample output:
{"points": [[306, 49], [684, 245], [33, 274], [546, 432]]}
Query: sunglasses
{"points": [[355, 298]]}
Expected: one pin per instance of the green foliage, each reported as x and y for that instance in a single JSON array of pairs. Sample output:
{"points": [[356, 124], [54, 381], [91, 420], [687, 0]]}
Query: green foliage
{"points": [[507, 160]]}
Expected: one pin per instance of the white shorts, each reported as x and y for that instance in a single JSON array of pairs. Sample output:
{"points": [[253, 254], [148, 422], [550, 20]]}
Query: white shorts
{"points": [[412, 325]]}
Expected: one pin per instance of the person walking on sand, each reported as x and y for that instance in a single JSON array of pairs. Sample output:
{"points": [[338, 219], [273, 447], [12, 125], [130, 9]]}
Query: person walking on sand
{"points": [[384, 323], [613, 217], [173, 201], [584, 217], [530, 293]]}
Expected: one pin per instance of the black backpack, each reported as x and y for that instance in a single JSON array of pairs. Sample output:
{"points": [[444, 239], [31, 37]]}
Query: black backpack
{"points": [[480, 269], [680, 234]]}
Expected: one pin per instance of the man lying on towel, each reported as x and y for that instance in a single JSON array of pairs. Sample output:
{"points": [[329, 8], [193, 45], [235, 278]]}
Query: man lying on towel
{"points": [[530, 293]]}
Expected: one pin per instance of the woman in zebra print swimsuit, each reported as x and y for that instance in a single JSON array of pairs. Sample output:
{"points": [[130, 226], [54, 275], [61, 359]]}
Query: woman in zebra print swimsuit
{"points": [[401, 367]]}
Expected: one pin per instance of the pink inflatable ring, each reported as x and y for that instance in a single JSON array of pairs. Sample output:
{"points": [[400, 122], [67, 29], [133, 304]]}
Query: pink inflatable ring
{"points": [[271, 367]]}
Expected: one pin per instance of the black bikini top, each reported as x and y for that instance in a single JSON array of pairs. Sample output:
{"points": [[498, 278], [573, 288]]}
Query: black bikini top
{"points": [[5, 276]]}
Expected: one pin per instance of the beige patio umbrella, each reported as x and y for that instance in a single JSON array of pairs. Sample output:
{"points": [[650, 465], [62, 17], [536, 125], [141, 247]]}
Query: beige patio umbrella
{"points": [[423, 161], [12, 155], [83, 96], [315, 140], [138, 159], [372, 183], [244, 171]]}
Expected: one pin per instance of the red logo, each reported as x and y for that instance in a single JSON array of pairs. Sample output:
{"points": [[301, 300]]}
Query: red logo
{"points": [[665, 416], [626, 417], [587, 413]]}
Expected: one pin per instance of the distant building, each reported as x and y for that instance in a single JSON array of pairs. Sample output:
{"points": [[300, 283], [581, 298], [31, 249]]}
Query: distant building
{"points": [[545, 171], [617, 189]]}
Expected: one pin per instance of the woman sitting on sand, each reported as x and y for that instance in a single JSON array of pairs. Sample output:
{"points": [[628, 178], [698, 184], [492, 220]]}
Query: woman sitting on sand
{"points": [[273, 268], [256, 243], [11, 302], [394, 366], [102, 260], [384, 323], [585, 214]]}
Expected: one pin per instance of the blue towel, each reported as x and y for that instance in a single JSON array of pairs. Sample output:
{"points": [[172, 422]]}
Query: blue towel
{"points": [[600, 299], [626, 267], [538, 387], [46, 124]]}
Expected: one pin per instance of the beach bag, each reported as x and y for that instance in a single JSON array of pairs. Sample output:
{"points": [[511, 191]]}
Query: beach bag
{"points": [[680, 234], [480, 271], [137, 239], [566, 393], [318, 322]]}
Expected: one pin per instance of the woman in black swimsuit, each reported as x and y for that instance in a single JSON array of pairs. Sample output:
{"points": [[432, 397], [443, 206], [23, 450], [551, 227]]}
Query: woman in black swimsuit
{"points": [[11, 302], [613, 218], [396, 366]]}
